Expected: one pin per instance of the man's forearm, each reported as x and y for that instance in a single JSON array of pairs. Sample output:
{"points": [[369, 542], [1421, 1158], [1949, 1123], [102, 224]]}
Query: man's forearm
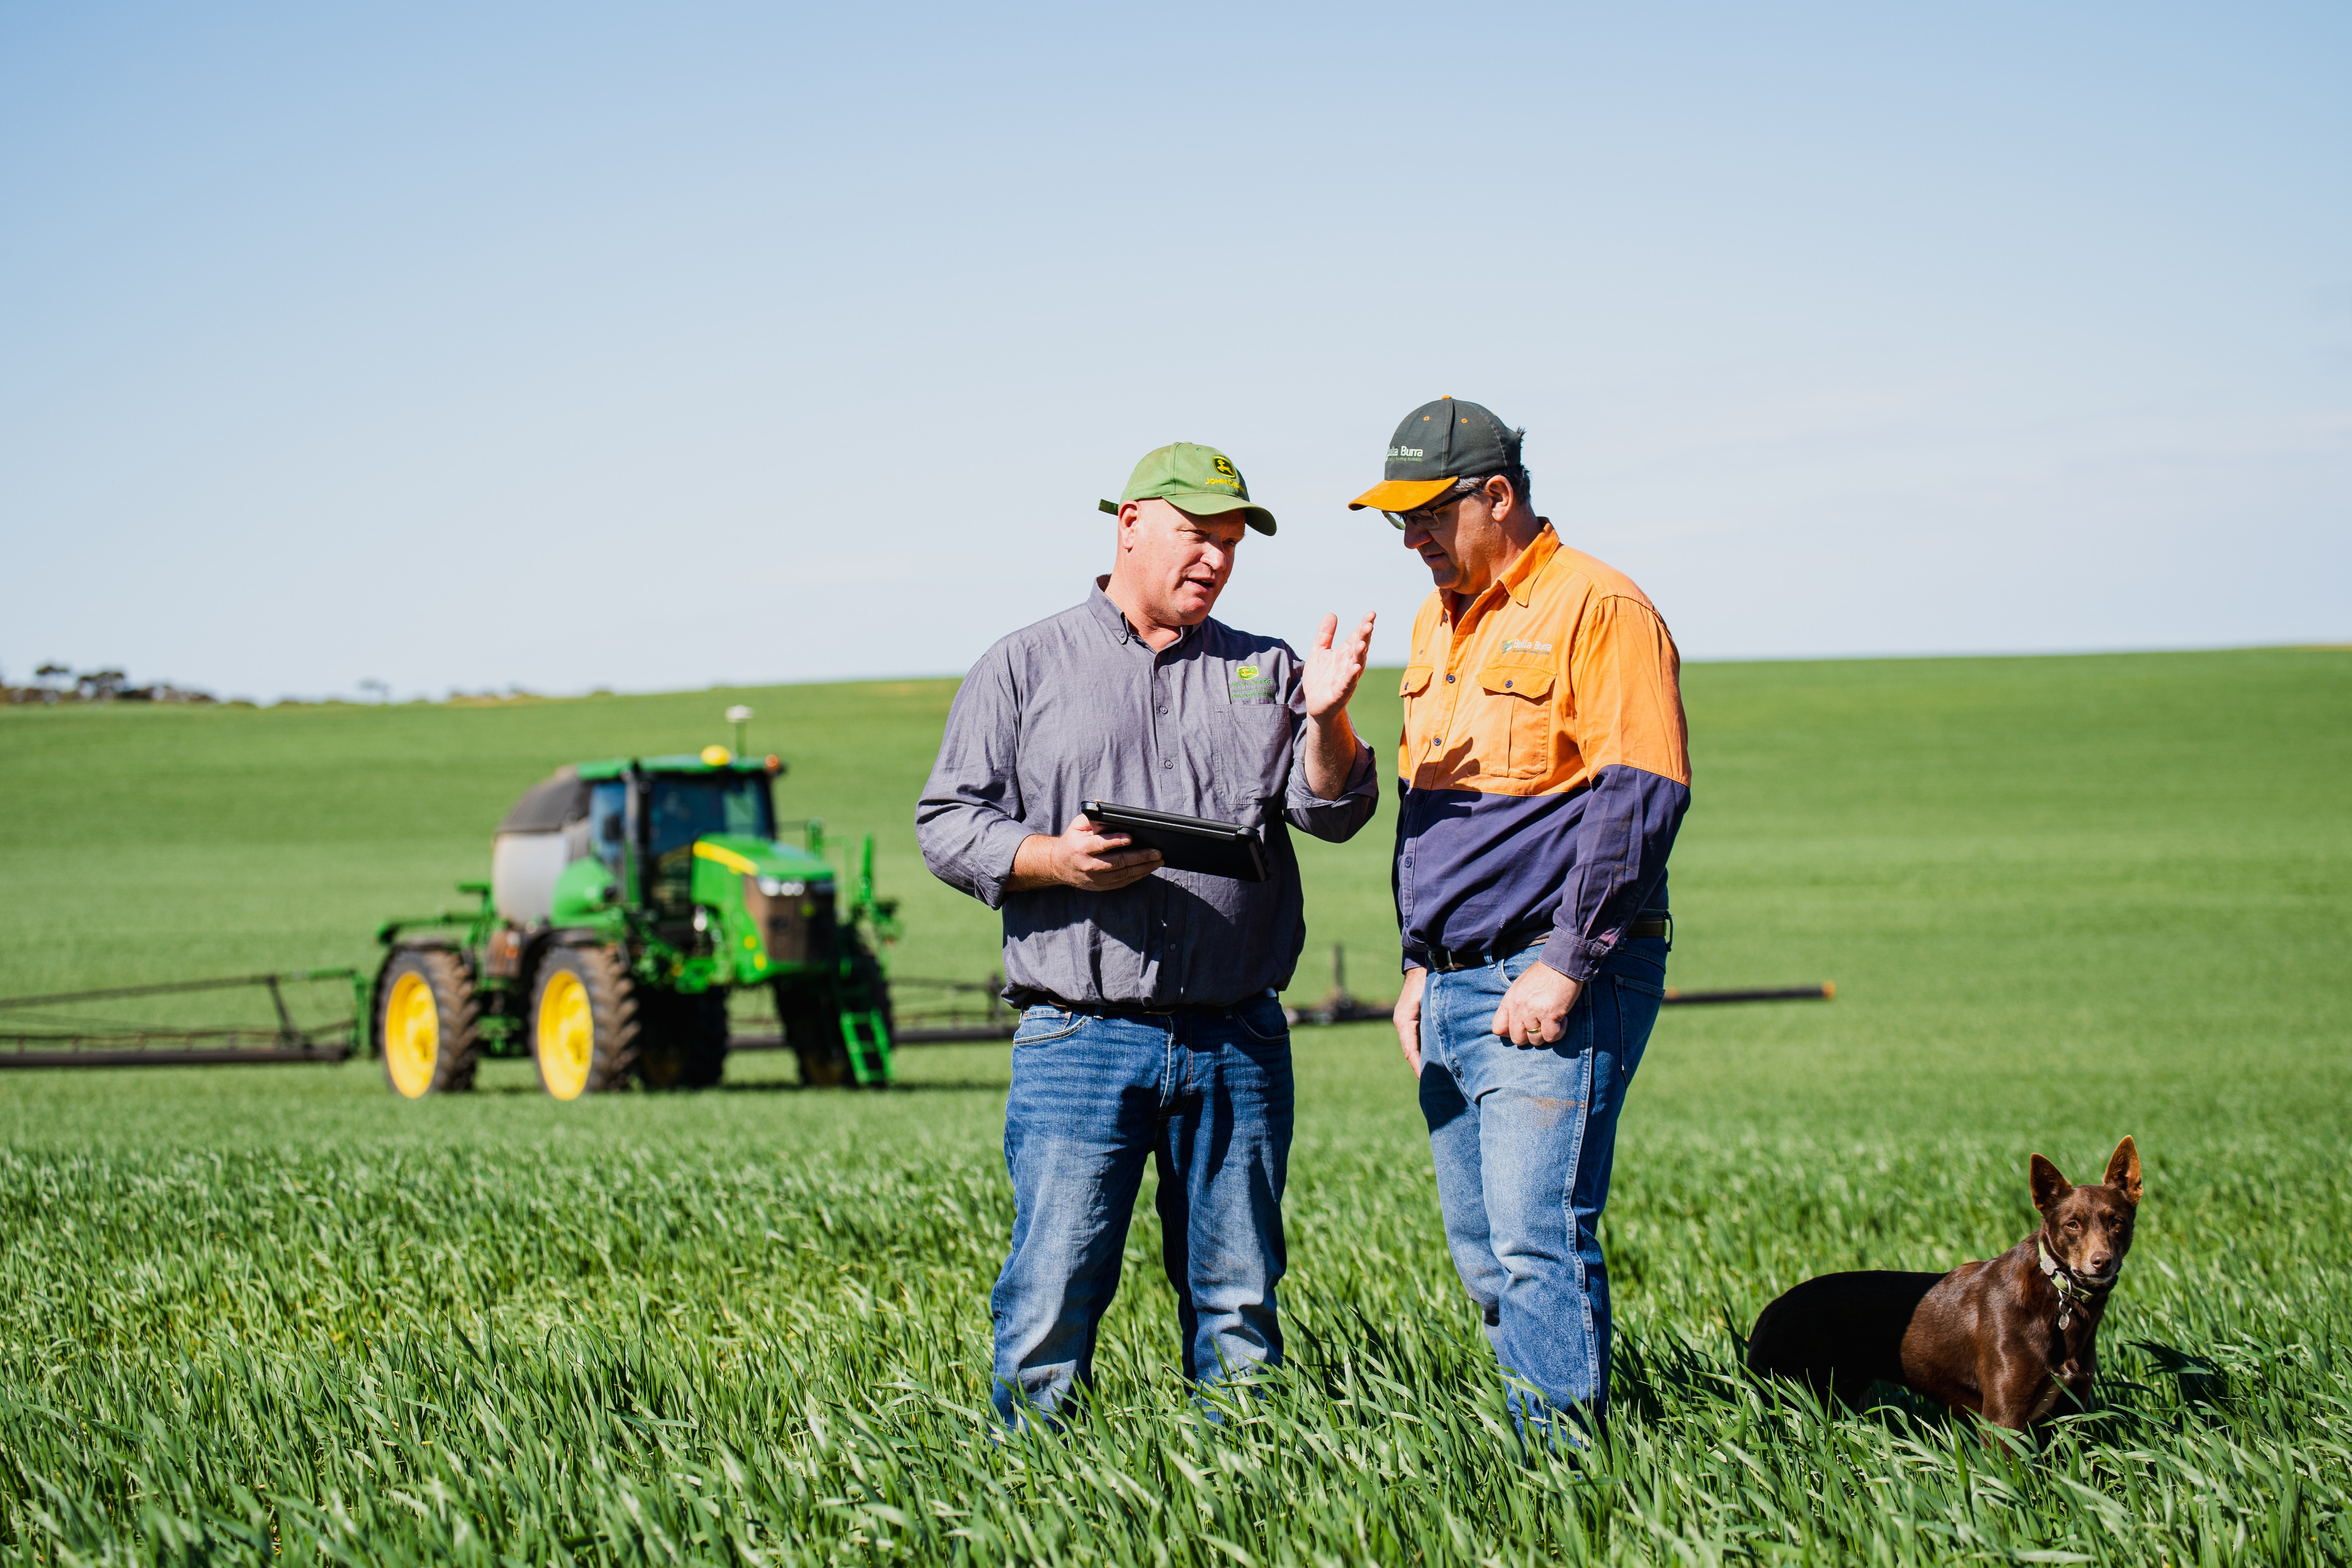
{"points": [[1033, 865], [1331, 755]]}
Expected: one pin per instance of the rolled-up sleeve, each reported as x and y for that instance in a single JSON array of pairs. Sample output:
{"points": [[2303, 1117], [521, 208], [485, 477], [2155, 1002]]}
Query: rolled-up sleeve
{"points": [[1334, 822], [968, 822]]}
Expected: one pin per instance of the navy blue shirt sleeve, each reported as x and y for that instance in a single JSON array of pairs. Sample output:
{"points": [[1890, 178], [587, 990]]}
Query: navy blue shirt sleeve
{"points": [[1631, 816]]}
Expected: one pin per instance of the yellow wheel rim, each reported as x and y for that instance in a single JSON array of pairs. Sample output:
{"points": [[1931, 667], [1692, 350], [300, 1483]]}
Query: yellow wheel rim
{"points": [[567, 1035], [411, 1035]]}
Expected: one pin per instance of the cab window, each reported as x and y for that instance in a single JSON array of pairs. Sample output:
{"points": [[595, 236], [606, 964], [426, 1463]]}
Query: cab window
{"points": [[689, 807]]}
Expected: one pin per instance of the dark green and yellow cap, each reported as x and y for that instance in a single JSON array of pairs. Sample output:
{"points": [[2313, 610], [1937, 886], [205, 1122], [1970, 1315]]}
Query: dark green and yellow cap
{"points": [[1437, 444], [1201, 480]]}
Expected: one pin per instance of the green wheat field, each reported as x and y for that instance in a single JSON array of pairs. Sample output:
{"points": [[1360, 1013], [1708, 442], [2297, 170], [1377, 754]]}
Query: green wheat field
{"points": [[268, 1314]]}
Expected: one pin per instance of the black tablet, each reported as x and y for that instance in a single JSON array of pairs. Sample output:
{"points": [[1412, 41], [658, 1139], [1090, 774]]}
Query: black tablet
{"points": [[1185, 844]]}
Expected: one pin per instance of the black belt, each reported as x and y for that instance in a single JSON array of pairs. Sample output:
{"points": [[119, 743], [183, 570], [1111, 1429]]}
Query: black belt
{"points": [[1446, 961]]}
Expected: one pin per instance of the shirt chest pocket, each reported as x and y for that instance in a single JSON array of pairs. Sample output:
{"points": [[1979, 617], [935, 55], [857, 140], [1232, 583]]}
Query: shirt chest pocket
{"points": [[1414, 690], [1253, 753], [1516, 731]]}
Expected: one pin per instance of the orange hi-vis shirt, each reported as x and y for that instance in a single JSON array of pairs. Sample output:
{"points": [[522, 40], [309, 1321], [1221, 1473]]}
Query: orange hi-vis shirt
{"points": [[1544, 767]]}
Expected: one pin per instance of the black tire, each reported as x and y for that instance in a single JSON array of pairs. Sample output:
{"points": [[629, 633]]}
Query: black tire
{"points": [[812, 1034], [684, 1044], [425, 1023], [608, 1001]]}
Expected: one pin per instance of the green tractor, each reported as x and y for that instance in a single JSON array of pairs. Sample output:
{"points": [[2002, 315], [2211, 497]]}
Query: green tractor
{"points": [[627, 899]]}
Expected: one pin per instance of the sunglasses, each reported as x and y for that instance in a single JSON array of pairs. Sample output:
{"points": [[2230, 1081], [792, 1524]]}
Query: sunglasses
{"points": [[1426, 516]]}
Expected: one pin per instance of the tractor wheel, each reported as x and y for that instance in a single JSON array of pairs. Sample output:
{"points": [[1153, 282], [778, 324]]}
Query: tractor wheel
{"points": [[586, 1026], [812, 1034], [686, 1039], [424, 1023]]}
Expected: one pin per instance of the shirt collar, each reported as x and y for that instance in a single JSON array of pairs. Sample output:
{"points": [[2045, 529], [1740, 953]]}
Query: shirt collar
{"points": [[1113, 619], [1519, 578]]}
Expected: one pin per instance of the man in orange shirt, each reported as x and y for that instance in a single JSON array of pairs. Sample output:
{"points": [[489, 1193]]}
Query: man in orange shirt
{"points": [[1544, 771]]}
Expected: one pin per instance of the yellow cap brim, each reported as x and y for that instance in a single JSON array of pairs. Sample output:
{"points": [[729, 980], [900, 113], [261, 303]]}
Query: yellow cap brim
{"points": [[1400, 494]]}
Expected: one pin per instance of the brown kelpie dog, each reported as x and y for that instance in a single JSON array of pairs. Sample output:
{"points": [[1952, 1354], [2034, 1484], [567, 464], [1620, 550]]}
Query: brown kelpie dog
{"points": [[2002, 1338]]}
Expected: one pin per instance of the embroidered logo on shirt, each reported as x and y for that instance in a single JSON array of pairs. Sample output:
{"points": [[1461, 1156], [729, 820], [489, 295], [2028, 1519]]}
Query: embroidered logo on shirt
{"points": [[1516, 646], [1249, 684]]}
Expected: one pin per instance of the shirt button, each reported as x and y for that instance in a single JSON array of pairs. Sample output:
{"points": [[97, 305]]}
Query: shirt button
{"points": [[1163, 710], [1167, 762], [1449, 680]]}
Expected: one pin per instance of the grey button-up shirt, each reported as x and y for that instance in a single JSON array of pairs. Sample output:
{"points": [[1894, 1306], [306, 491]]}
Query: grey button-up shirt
{"points": [[1077, 709]]}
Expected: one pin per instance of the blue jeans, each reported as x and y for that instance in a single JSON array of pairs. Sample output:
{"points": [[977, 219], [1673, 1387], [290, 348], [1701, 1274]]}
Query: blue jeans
{"points": [[1523, 1138], [1207, 1096]]}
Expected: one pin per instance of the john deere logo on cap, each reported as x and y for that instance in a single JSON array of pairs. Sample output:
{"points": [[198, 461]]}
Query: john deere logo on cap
{"points": [[1225, 471]]}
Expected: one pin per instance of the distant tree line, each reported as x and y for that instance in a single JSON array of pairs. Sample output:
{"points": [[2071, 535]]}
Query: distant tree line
{"points": [[54, 683]]}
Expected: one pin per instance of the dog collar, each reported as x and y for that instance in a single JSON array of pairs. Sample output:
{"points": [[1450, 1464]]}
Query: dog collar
{"points": [[2061, 1280]]}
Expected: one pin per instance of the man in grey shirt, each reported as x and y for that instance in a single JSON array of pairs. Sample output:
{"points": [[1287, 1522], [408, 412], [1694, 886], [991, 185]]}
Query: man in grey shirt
{"points": [[1150, 1026]]}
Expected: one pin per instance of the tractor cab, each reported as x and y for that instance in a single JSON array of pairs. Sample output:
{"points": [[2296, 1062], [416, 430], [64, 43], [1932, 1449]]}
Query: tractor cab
{"points": [[686, 844]]}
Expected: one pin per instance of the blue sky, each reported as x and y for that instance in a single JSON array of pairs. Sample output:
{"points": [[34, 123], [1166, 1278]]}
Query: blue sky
{"points": [[653, 347]]}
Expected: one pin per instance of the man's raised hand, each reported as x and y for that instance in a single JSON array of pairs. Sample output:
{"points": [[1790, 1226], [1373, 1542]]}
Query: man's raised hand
{"points": [[1080, 857], [1329, 674]]}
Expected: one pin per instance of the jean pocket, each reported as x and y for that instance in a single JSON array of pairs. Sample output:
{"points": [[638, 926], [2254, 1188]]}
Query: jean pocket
{"points": [[1638, 982], [1641, 962], [1514, 965], [1042, 1024], [1261, 1019]]}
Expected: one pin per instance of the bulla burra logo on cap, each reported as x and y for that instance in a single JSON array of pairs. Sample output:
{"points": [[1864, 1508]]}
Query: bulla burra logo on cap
{"points": [[1407, 452], [1225, 474]]}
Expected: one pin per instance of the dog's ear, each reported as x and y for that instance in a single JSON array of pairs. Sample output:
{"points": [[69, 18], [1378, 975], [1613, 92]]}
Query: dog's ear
{"points": [[2123, 1170], [2048, 1186]]}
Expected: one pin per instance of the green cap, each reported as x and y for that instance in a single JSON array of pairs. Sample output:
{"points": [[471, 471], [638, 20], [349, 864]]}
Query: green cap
{"points": [[1437, 444], [1201, 480]]}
